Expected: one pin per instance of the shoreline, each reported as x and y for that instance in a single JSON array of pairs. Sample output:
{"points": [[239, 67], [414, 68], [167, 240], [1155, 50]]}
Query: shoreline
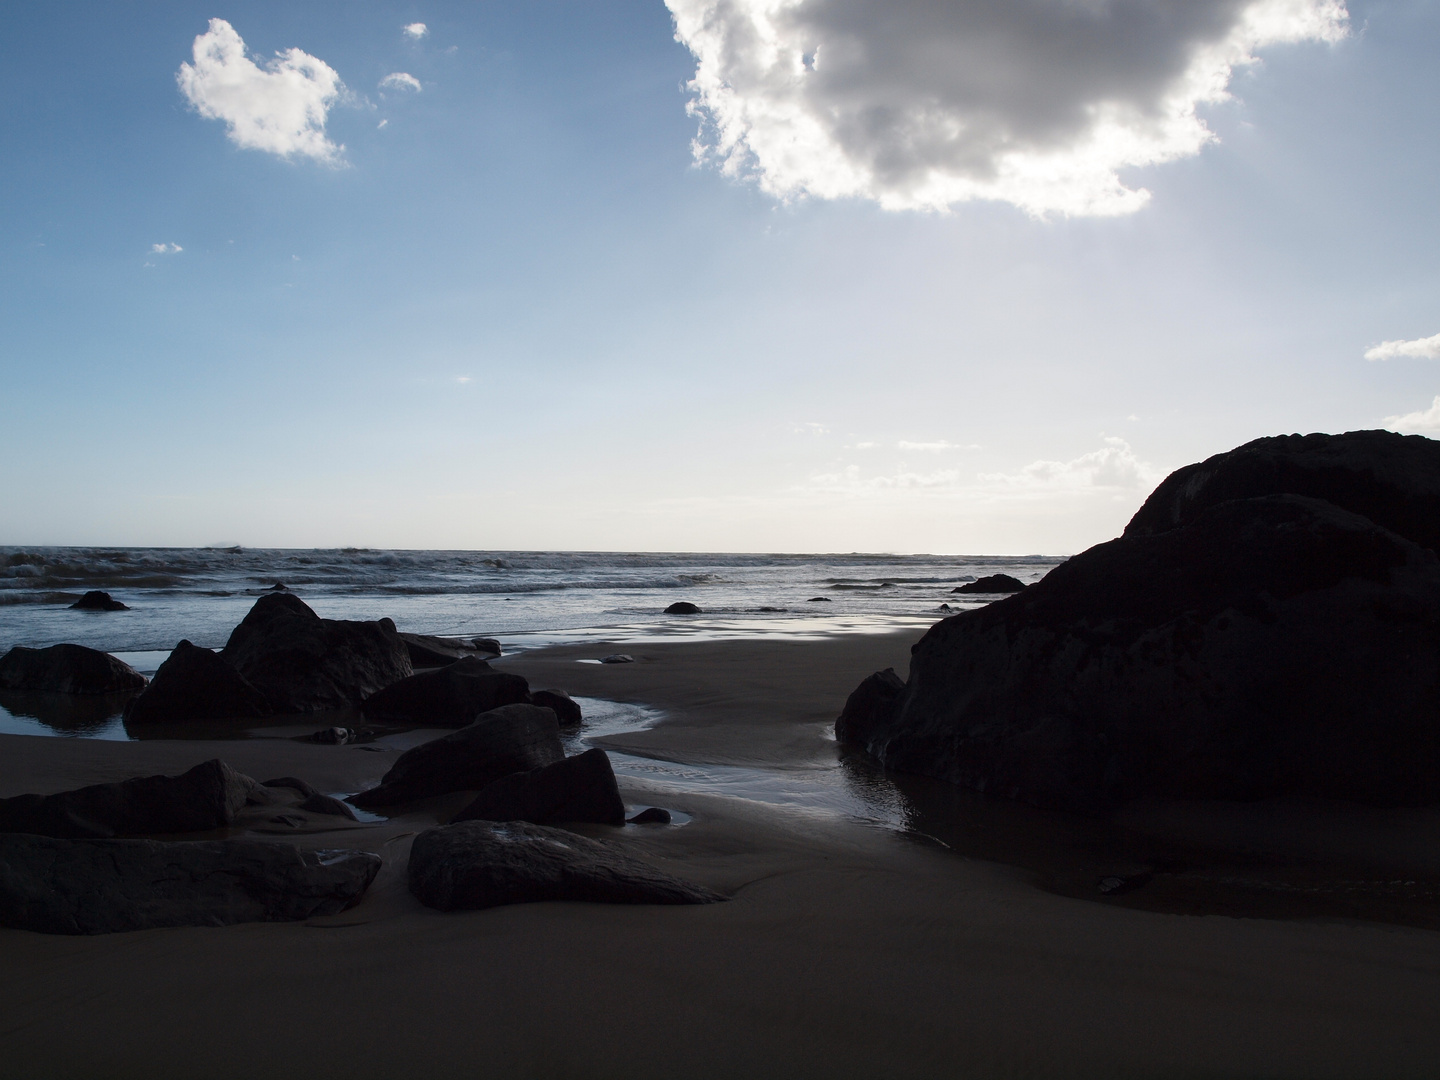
{"points": [[845, 950]]}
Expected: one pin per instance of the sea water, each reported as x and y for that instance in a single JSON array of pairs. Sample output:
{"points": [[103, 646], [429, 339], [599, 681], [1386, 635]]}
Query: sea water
{"points": [[524, 598]]}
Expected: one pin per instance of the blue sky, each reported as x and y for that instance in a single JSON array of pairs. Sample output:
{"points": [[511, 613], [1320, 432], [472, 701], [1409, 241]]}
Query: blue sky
{"points": [[520, 314]]}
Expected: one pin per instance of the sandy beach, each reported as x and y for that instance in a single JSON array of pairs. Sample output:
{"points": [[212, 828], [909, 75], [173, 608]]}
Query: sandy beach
{"points": [[846, 949]]}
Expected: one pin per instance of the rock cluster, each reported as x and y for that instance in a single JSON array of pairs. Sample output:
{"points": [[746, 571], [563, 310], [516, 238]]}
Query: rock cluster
{"points": [[1268, 625]]}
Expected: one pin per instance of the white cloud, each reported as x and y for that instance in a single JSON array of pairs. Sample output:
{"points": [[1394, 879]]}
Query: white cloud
{"points": [[1417, 422], [415, 30], [935, 447], [399, 80], [381, 124], [850, 479], [1114, 466], [1427, 348], [165, 249], [922, 105], [278, 106], [811, 428]]}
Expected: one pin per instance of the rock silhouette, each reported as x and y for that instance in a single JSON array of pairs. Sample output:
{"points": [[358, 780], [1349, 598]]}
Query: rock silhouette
{"points": [[994, 583], [449, 697], [579, 788], [67, 669], [95, 600], [1238, 642], [196, 684], [512, 738]]}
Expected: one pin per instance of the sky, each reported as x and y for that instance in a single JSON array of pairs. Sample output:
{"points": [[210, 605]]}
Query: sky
{"points": [[711, 275]]}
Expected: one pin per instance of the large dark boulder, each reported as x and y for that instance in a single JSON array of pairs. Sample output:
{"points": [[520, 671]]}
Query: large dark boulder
{"points": [[566, 708], [512, 738], [67, 669], [993, 583], [682, 607], [450, 697], [484, 864], [104, 886], [579, 788], [303, 663], [1394, 480], [1268, 645], [195, 684], [869, 705], [95, 600], [206, 797]]}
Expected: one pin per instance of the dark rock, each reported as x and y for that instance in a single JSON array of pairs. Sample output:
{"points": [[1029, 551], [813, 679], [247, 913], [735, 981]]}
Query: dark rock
{"points": [[651, 815], [566, 710], [330, 736], [195, 684], [512, 738], [206, 797], [944, 607], [106, 886], [869, 706], [277, 587], [67, 669], [95, 600], [1394, 480], [994, 583], [483, 864], [303, 663], [682, 607], [1267, 646], [486, 645], [618, 658], [819, 600], [314, 801], [428, 652], [450, 697], [580, 788]]}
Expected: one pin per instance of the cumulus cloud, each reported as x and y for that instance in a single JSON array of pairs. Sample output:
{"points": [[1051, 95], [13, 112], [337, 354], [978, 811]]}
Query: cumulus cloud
{"points": [[415, 30], [1418, 423], [1427, 348], [399, 80], [165, 249], [1114, 465], [922, 105], [279, 105]]}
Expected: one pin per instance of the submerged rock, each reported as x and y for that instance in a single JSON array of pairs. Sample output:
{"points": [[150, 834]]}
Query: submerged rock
{"points": [[682, 607], [67, 669], [651, 815], [1266, 644], [450, 697], [819, 600], [56, 886], [195, 684], [303, 663], [618, 658], [579, 788], [566, 709], [513, 738], [203, 798], [95, 600], [482, 864], [994, 583]]}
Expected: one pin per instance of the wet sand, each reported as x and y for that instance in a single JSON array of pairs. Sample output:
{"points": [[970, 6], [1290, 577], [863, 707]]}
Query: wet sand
{"points": [[846, 950]]}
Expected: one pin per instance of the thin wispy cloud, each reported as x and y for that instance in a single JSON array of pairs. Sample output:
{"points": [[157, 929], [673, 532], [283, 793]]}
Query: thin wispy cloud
{"points": [[415, 30], [920, 105], [935, 447], [279, 106], [399, 80], [1421, 348], [165, 249], [811, 428], [1425, 422]]}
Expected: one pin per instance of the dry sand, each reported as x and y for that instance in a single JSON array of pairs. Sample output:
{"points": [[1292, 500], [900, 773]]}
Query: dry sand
{"points": [[846, 950]]}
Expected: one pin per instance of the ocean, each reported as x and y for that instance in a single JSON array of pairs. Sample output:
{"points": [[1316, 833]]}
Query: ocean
{"points": [[526, 599]]}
